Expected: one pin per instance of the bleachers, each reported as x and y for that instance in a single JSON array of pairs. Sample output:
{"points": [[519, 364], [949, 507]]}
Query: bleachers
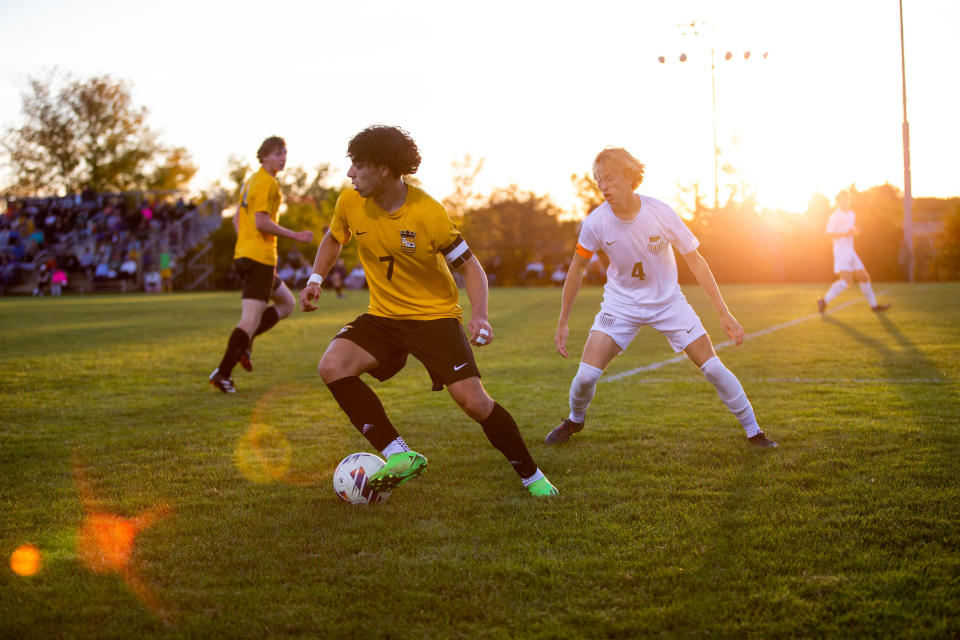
{"points": [[95, 237]]}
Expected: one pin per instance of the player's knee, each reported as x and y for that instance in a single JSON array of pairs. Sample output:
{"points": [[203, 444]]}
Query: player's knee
{"points": [[283, 309], [247, 326], [587, 376], [476, 405], [330, 370]]}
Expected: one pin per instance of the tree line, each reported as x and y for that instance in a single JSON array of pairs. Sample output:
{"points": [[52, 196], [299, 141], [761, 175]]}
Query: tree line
{"points": [[88, 135]]}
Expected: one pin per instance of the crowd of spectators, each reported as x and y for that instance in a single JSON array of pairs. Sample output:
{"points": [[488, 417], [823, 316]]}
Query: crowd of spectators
{"points": [[105, 236]]}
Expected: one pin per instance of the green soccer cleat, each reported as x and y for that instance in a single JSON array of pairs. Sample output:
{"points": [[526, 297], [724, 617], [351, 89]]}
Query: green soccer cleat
{"points": [[400, 467], [542, 489]]}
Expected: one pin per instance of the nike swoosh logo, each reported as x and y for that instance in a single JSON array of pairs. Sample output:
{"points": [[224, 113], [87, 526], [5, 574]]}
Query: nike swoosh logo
{"points": [[459, 366], [691, 328], [360, 233], [610, 243]]}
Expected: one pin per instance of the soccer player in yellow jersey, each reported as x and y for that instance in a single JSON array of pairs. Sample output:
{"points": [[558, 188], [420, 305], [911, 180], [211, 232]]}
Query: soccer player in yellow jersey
{"points": [[408, 245], [255, 261]]}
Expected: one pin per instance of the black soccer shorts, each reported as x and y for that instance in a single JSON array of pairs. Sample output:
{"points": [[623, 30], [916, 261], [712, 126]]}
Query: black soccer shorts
{"points": [[441, 345], [259, 280]]}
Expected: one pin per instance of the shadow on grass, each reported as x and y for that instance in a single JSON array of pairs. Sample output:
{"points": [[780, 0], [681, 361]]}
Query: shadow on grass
{"points": [[908, 358]]}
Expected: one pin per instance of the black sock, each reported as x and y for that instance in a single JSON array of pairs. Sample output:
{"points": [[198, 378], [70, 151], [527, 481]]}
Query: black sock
{"points": [[267, 320], [239, 340], [503, 433], [365, 411]]}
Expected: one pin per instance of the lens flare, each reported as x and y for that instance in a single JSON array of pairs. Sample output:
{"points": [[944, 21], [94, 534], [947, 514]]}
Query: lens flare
{"points": [[105, 541], [25, 560], [267, 453]]}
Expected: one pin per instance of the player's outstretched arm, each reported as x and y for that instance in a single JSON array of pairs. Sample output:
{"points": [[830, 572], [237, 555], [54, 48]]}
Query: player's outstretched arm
{"points": [[266, 225], [701, 271], [327, 254], [571, 287], [475, 282]]}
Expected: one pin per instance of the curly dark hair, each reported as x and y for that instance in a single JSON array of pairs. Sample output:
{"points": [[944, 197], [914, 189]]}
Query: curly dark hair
{"points": [[384, 146]]}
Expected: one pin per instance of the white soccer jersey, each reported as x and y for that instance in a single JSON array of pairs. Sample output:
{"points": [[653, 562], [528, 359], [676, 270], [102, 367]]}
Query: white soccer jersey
{"points": [[841, 221], [643, 269]]}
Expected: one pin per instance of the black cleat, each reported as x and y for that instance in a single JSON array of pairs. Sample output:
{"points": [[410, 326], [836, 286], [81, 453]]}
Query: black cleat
{"points": [[244, 360], [761, 440], [821, 305], [880, 307], [222, 382], [562, 433]]}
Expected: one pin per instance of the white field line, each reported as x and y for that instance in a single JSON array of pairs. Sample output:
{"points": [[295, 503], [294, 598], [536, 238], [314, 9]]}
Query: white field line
{"points": [[799, 380], [728, 343]]}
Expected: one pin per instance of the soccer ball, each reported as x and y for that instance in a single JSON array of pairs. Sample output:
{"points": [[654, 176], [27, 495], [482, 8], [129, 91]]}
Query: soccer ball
{"points": [[350, 479]]}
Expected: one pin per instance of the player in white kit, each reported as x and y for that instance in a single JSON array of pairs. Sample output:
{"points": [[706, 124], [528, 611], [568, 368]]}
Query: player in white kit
{"points": [[842, 227], [636, 232]]}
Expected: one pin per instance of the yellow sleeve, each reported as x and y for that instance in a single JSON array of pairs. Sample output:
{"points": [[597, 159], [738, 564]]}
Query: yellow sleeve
{"points": [[339, 226]]}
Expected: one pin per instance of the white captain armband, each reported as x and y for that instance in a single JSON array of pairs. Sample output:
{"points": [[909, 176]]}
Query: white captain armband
{"points": [[457, 253], [315, 278]]}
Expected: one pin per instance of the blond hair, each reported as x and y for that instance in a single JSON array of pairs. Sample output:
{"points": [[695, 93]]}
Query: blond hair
{"points": [[621, 161]]}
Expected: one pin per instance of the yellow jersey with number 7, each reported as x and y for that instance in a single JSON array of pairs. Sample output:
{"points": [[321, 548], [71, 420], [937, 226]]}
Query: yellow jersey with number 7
{"points": [[402, 253]]}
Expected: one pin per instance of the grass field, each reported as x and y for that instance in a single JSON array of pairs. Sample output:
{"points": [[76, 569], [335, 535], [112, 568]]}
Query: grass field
{"points": [[668, 523]]}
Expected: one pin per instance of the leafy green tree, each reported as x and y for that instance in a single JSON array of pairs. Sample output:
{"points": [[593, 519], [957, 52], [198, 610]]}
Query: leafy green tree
{"points": [[880, 222], [948, 246], [174, 172], [87, 134], [513, 228], [464, 196], [309, 205], [587, 193], [237, 171]]}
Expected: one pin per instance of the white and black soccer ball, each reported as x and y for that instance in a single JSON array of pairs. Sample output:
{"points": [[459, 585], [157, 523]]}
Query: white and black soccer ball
{"points": [[350, 480]]}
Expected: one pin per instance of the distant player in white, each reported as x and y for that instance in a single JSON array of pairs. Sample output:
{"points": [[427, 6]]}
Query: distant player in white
{"points": [[637, 232], [842, 227]]}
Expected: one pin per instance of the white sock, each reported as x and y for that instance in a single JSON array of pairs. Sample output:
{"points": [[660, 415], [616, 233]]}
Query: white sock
{"points": [[536, 476], [835, 289], [397, 446], [867, 290], [731, 392], [582, 388]]}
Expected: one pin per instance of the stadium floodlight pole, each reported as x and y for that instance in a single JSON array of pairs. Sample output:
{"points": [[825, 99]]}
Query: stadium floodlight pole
{"points": [[713, 90], [907, 187]]}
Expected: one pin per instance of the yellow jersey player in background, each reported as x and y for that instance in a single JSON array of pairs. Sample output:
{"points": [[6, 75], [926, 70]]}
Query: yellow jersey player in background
{"points": [[255, 261], [408, 244]]}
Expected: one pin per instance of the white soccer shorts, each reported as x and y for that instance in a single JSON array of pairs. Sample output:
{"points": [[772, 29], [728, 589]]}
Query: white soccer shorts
{"points": [[846, 259], [677, 321]]}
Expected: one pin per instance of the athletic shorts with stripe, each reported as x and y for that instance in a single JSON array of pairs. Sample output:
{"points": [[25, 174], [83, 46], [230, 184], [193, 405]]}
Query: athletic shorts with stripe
{"points": [[441, 345]]}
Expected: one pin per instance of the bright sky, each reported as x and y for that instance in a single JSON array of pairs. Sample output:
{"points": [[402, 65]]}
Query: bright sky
{"points": [[536, 88]]}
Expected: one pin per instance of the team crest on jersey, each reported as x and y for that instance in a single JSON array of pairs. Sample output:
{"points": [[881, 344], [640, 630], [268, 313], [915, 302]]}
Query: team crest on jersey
{"points": [[655, 244], [408, 241]]}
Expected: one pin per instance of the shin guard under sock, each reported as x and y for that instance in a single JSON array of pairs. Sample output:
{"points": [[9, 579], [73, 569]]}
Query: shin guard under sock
{"points": [[502, 431], [364, 410], [238, 343], [267, 320]]}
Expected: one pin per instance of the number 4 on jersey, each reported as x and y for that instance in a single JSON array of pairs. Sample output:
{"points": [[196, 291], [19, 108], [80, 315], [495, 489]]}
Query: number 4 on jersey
{"points": [[638, 271]]}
